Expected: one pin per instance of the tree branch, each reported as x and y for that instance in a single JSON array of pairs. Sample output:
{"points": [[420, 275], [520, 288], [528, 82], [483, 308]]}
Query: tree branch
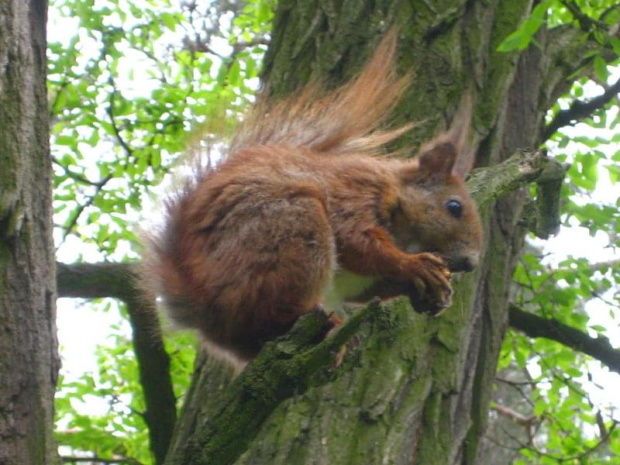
{"points": [[525, 166], [295, 361], [68, 228], [569, 56], [586, 23], [536, 326], [580, 109], [118, 280], [515, 416], [488, 184], [548, 196], [123, 460]]}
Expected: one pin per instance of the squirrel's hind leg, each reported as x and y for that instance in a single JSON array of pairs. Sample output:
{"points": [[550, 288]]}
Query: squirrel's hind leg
{"points": [[278, 268]]}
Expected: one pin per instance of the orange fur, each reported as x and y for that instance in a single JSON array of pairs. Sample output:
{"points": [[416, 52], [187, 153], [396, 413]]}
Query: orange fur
{"points": [[253, 243]]}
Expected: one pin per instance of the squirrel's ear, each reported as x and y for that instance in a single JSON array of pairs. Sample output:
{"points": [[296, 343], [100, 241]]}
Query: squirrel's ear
{"points": [[438, 157], [450, 153], [460, 135]]}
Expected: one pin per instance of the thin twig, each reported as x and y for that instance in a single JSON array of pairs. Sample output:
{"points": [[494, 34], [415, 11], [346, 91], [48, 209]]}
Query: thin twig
{"points": [[121, 460]]}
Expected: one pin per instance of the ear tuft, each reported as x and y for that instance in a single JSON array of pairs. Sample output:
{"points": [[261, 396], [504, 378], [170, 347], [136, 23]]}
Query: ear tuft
{"points": [[439, 157], [450, 153]]}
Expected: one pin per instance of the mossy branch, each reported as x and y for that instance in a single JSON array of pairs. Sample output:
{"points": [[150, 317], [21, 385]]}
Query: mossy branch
{"points": [[489, 184], [285, 367], [525, 166]]}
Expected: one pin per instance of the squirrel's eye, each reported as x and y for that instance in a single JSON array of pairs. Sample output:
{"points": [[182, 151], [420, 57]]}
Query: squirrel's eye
{"points": [[455, 208]]}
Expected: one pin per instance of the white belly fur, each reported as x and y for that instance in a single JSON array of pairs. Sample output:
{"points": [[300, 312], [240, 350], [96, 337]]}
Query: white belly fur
{"points": [[346, 286]]}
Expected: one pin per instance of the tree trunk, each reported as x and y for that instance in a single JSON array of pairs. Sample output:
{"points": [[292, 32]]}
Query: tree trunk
{"points": [[412, 389], [28, 349]]}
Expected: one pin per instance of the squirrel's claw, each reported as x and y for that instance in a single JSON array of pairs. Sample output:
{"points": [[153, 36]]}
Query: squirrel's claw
{"points": [[431, 280]]}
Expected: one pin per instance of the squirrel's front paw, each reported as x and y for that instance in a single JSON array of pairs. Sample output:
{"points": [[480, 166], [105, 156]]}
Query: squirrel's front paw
{"points": [[430, 276]]}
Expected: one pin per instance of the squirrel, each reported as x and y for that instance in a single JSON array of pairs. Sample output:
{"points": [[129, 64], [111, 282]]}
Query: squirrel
{"points": [[302, 200]]}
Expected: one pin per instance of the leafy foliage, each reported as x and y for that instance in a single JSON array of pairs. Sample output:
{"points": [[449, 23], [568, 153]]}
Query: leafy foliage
{"points": [[116, 431], [123, 94], [593, 17], [128, 82], [102, 412], [571, 420], [570, 412], [574, 418]]}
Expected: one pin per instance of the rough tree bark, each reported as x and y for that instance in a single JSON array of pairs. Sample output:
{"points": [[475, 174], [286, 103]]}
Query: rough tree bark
{"points": [[28, 356], [412, 389]]}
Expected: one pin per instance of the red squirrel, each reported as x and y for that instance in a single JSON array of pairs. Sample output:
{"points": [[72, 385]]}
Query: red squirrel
{"points": [[302, 210]]}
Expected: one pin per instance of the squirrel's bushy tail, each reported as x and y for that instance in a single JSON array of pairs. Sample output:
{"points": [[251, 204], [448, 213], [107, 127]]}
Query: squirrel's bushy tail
{"points": [[346, 120]]}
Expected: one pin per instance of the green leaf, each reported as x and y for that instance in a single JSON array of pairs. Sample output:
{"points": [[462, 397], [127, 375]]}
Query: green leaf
{"points": [[613, 172], [65, 140], [539, 407], [263, 14], [169, 20], [521, 38], [234, 74], [156, 159], [515, 41], [600, 69]]}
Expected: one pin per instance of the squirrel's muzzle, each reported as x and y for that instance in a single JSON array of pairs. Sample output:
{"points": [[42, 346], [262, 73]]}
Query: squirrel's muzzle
{"points": [[465, 264]]}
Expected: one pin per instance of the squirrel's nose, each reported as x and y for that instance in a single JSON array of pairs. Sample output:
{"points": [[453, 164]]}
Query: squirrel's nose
{"points": [[464, 264], [468, 265]]}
